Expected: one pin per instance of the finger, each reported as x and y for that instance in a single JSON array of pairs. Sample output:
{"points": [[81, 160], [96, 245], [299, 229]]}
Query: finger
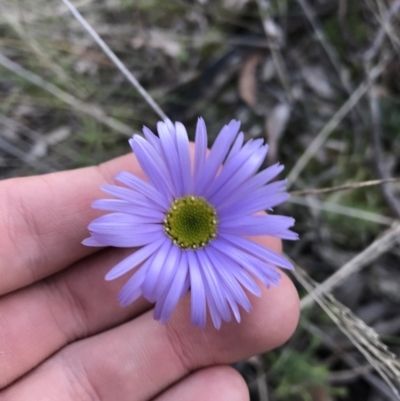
{"points": [[39, 320], [219, 383], [43, 220], [142, 357]]}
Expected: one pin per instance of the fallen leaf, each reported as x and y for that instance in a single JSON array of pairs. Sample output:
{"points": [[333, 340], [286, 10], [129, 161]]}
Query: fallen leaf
{"points": [[248, 80], [158, 39], [38, 150], [236, 5], [268, 70], [276, 123], [58, 135], [316, 79]]}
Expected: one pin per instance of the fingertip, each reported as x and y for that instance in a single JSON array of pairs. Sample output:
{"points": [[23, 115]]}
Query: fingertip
{"points": [[218, 383], [281, 308], [273, 243]]}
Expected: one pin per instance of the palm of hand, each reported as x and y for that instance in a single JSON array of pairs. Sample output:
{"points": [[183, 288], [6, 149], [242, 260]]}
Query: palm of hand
{"points": [[63, 335]]}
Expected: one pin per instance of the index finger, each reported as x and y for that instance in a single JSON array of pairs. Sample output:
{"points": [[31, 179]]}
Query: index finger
{"points": [[43, 220]]}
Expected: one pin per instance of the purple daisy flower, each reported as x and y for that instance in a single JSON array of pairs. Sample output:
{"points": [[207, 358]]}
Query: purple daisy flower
{"points": [[191, 222]]}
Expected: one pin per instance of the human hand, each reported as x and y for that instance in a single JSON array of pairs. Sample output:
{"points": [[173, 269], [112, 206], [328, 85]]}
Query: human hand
{"points": [[63, 335]]}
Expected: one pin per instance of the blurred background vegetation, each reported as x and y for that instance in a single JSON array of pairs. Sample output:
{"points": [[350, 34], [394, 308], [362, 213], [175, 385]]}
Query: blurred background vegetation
{"points": [[319, 80]]}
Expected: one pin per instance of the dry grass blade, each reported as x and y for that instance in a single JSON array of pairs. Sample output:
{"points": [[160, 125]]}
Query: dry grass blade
{"points": [[91, 110], [374, 381], [261, 380], [377, 248], [13, 150], [343, 210], [128, 75], [380, 159], [333, 123], [384, 30], [344, 187], [329, 49], [363, 337], [275, 40], [373, 97], [44, 58]]}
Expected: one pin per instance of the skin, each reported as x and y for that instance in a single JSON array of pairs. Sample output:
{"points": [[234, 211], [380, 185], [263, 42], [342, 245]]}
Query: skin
{"points": [[63, 335]]}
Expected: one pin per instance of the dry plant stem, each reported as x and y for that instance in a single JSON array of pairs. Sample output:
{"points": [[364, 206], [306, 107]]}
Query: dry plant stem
{"points": [[79, 106], [381, 167], [35, 47], [264, 6], [385, 29], [36, 137], [51, 12], [13, 150], [328, 341], [333, 123], [354, 185], [344, 210], [346, 376], [262, 388], [381, 17], [329, 50], [381, 245], [128, 75], [363, 337], [379, 157], [14, 125]]}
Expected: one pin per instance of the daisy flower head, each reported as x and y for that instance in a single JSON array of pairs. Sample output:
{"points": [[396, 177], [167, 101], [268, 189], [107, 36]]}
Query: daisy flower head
{"points": [[191, 222]]}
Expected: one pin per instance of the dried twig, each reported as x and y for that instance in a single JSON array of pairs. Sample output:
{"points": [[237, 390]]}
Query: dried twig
{"points": [[261, 380], [371, 253], [329, 49], [376, 130], [35, 47], [334, 122], [328, 341], [354, 185], [273, 39], [15, 151], [363, 337], [79, 106], [379, 157], [384, 30], [349, 375], [128, 75], [38, 137], [343, 210]]}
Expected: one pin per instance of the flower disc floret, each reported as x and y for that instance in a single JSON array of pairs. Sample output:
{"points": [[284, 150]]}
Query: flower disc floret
{"points": [[191, 222]]}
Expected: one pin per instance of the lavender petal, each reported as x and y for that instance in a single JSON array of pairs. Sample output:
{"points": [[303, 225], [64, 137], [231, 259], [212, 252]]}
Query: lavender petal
{"points": [[198, 292], [168, 144], [215, 290], [135, 259], [217, 155], [152, 166], [91, 242], [258, 225], [200, 151], [238, 174], [143, 188], [131, 291], [257, 250], [155, 269], [176, 289], [116, 205]]}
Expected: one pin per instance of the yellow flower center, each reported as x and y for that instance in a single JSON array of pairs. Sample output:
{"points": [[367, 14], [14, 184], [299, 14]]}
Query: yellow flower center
{"points": [[191, 222]]}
